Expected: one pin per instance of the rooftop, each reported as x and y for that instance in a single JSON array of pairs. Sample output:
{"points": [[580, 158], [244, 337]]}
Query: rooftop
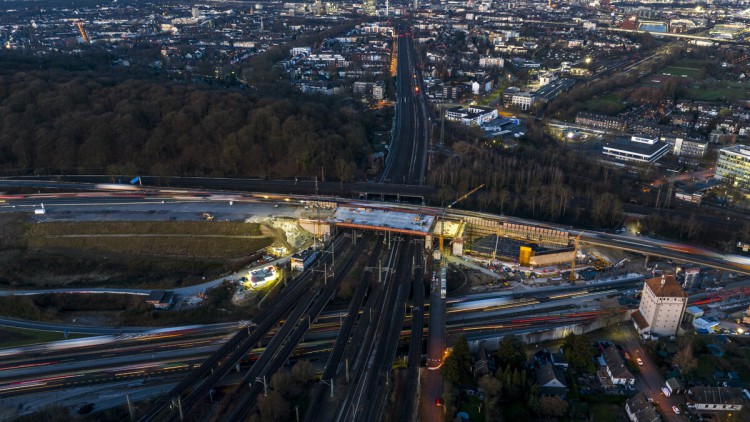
{"points": [[665, 286], [640, 320], [626, 144], [641, 409], [383, 219], [738, 149], [716, 395], [615, 363]]}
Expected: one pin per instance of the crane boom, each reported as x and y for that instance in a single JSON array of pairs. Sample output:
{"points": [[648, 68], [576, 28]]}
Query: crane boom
{"points": [[466, 195], [461, 198]]}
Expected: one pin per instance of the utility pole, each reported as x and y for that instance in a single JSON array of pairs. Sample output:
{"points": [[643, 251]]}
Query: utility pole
{"points": [[442, 124], [130, 407], [668, 199], [265, 386]]}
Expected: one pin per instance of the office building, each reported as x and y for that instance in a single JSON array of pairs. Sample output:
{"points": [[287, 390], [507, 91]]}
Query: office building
{"points": [[734, 163]]}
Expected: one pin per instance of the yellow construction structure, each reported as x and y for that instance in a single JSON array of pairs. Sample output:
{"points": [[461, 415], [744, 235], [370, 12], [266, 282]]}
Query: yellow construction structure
{"points": [[524, 256]]}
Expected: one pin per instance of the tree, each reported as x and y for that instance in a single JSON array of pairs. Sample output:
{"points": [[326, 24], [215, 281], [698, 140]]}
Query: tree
{"points": [[283, 382], [511, 352], [303, 372], [490, 385], [577, 350], [273, 407], [457, 366], [686, 360], [553, 406]]}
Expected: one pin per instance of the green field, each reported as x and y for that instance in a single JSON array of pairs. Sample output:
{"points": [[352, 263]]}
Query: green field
{"points": [[146, 227], [14, 337], [722, 91], [608, 104], [687, 72], [607, 413], [174, 239]]}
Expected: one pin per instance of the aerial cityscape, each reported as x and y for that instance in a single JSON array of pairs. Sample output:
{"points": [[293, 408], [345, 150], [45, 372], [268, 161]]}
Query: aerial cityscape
{"points": [[380, 210]]}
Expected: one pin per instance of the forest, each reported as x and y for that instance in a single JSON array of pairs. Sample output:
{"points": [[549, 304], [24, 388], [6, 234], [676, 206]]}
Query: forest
{"points": [[77, 119]]}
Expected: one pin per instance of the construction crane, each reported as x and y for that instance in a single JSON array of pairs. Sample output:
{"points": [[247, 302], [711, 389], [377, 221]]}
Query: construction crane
{"points": [[572, 275], [82, 30], [442, 224], [471, 192]]}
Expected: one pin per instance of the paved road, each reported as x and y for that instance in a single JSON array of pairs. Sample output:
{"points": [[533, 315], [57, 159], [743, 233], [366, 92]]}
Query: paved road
{"points": [[297, 187], [650, 381]]}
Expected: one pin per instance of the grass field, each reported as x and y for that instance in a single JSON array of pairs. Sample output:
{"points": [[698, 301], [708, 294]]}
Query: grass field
{"points": [[14, 337], [688, 72], [174, 239], [145, 227], [722, 91], [158, 255], [602, 412], [607, 104]]}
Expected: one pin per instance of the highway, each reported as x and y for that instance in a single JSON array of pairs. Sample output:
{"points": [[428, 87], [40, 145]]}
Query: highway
{"points": [[292, 187], [406, 161]]}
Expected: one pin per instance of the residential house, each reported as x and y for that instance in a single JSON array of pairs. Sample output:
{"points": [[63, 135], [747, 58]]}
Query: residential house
{"points": [[715, 399], [618, 373], [551, 381], [639, 409]]}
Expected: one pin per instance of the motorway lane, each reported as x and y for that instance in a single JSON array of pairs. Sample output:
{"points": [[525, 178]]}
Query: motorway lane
{"points": [[296, 187]]}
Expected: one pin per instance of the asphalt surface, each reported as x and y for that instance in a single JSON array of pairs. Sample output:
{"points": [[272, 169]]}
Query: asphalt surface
{"points": [[650, 380], [296, 187]]}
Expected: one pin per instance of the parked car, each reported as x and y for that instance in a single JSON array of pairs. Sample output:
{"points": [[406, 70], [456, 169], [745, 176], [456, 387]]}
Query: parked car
{"points": [[666, 391], [676, 410]]}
